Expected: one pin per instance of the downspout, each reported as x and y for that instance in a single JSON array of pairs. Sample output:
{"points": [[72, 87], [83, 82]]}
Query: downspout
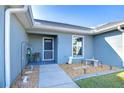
{"points": [[122, 30], [8, 13]]}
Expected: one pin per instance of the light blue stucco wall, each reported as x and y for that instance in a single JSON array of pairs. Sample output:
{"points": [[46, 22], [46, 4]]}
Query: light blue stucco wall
{"points": [[65, 48], [108, 48], [36, 43], [88, 47], [18, 35], [2, 74], [64, 45]]}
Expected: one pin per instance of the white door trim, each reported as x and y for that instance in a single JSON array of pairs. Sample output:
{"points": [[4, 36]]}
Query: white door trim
{"points": [[48, 50]]}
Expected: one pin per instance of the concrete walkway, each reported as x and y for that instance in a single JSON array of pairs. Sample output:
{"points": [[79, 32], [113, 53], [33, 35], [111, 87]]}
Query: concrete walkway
{"points": [[52, 76]]}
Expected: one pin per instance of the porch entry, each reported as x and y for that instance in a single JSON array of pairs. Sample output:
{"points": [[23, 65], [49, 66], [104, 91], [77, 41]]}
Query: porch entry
{"points": [[48, 49]]}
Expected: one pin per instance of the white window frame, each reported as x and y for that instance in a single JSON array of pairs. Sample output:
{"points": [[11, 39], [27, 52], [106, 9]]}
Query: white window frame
{"points": [[48, 50], [78, 56]]}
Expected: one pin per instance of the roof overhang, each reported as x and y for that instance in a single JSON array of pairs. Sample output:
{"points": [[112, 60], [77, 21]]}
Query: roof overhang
{"points": [[26, 19], [108, 28], [52, 28], [15, 6]]}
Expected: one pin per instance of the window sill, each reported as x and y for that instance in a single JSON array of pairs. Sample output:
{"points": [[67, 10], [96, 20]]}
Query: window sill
{"points": [[77, 57]]}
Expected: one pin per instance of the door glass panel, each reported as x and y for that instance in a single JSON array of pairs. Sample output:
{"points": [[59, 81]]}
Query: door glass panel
{"points": [[48, 44], [48, 54], [48, 49]]}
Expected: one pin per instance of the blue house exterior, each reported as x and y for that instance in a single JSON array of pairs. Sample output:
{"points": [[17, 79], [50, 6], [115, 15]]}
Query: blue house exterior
{"points": [[108, 48], [53, 42], [2, 65]]}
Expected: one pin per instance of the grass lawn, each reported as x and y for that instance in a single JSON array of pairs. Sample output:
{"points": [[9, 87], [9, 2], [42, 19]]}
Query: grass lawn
{"points": [[105, 81]]}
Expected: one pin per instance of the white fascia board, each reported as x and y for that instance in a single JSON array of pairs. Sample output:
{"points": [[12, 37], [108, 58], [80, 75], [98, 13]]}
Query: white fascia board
{"points": [[61, 29], [31, 14], [107, 29], [76, 31]]}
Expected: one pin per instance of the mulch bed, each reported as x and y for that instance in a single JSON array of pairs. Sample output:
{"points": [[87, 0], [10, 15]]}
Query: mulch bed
{"points": [[32, 80], [76, 70]]}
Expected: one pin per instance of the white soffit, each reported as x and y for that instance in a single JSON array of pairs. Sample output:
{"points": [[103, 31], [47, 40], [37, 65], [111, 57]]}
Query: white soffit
{"points": [[25, 19]]}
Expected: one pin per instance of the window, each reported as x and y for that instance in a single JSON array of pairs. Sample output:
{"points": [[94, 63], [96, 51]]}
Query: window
{"points": [[77, 45]]}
